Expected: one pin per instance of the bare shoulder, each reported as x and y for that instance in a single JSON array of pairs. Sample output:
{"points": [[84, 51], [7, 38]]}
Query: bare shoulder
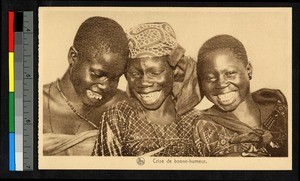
{"points": [[46, 115], [46, 89]]}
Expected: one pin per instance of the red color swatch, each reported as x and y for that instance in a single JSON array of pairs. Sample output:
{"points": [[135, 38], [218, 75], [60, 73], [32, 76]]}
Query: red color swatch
{"points": [[11, 24]]}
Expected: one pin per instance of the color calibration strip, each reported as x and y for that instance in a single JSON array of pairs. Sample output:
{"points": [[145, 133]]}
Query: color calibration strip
{"points": [[21, 91], [11, 23]]}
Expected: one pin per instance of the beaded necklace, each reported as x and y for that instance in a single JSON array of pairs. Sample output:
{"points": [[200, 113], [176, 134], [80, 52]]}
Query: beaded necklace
{"points": [[73, 108]]}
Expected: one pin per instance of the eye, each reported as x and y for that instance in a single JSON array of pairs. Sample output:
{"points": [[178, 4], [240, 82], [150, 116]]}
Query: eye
{"points": [[134, 74], [99, 76], [210, 78], [155, 73], [96, 74], [103, 79], [230, 73]]}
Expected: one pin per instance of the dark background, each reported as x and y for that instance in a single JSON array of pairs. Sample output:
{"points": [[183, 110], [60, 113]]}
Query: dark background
{"points": [[32, 5]]}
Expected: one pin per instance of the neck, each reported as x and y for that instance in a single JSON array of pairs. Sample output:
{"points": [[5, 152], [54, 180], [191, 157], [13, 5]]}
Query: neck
{"points": [[69, 92], [68, 89], [165, 114], [248, 112]]}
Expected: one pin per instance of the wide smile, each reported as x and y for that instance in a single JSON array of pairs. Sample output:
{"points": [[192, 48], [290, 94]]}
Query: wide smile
{"points": [[151, 97], [227, 98], [93, 95]]}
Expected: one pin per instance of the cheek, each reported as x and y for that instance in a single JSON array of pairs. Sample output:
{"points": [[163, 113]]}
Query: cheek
{"points": [[165, 83], [242, 81], [131, 81], [167, 79], [80, 73], [114, 83], [207, 87]]}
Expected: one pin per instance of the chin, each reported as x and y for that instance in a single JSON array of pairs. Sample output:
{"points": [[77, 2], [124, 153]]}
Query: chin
{"points": [[96, 103], [227, 108], [151, 107]]}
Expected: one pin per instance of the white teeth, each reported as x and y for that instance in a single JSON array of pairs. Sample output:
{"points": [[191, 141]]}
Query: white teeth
{"points": [[151, 97], [93, 95], [227, 97]]}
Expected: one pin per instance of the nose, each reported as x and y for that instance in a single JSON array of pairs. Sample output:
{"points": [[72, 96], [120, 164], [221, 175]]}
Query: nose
{"points": [[222, 82], [145, 81], [104, 87]]}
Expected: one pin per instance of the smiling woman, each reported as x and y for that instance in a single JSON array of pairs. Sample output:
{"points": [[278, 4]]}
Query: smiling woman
{"points": [[239, 123], [158, 118], [73, 104], [150, 80]]}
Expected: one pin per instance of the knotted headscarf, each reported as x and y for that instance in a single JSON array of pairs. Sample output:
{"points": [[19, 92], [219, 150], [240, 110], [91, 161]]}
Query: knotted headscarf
{"points": [[158, 39]]}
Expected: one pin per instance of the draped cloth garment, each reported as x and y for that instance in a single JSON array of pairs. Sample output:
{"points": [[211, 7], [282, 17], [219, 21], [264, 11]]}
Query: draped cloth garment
{"points": [[220, 133], [63, 144]]}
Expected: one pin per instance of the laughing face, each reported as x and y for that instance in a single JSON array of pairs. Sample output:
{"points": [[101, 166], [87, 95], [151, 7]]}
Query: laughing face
{"points": [[95, 77], [225, 79], [150, 80]]}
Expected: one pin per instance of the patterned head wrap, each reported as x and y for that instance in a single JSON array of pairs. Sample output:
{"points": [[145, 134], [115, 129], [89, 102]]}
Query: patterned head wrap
{"points": [[158, 39], [151, 40]]}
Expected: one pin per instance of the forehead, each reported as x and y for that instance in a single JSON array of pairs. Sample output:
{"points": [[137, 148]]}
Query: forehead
{"points": [[159, 62], [221, 59], [107, 61]]}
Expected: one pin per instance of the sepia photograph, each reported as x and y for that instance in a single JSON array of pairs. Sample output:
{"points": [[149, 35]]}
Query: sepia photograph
{"points": [[165, 88]]}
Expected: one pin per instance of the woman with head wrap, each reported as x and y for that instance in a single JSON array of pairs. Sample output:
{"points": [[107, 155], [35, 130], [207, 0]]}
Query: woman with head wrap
{"points": [[162, 82]]}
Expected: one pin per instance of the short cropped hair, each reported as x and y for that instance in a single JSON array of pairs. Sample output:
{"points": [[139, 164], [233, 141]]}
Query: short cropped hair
{"points": [[222, 42], [101, 34]]}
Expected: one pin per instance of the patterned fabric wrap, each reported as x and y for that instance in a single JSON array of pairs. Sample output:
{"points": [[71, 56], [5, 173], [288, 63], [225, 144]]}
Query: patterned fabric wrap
{"points": [[151, 40], [123, 133], [223, 134]]}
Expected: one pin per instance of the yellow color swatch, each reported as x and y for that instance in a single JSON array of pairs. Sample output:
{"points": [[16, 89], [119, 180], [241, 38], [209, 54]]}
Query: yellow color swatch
{"points": [[11, 66]]}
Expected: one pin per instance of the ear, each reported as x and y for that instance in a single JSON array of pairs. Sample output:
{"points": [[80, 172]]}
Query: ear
{"points": [[72, 56], [249, 70]]}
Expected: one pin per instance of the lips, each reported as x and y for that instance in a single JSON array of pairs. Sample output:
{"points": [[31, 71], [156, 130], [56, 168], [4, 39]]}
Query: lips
{"points": [[151, 97], [93, 95], [227, 98]]}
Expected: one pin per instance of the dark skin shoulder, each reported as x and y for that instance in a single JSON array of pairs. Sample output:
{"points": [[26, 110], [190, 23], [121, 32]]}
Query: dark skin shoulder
{"points": [[59, 118], [46, 100], [53, 106]]}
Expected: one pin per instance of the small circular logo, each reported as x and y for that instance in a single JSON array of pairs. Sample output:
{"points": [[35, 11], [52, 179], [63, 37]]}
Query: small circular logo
{"points": [[140, 161]]}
